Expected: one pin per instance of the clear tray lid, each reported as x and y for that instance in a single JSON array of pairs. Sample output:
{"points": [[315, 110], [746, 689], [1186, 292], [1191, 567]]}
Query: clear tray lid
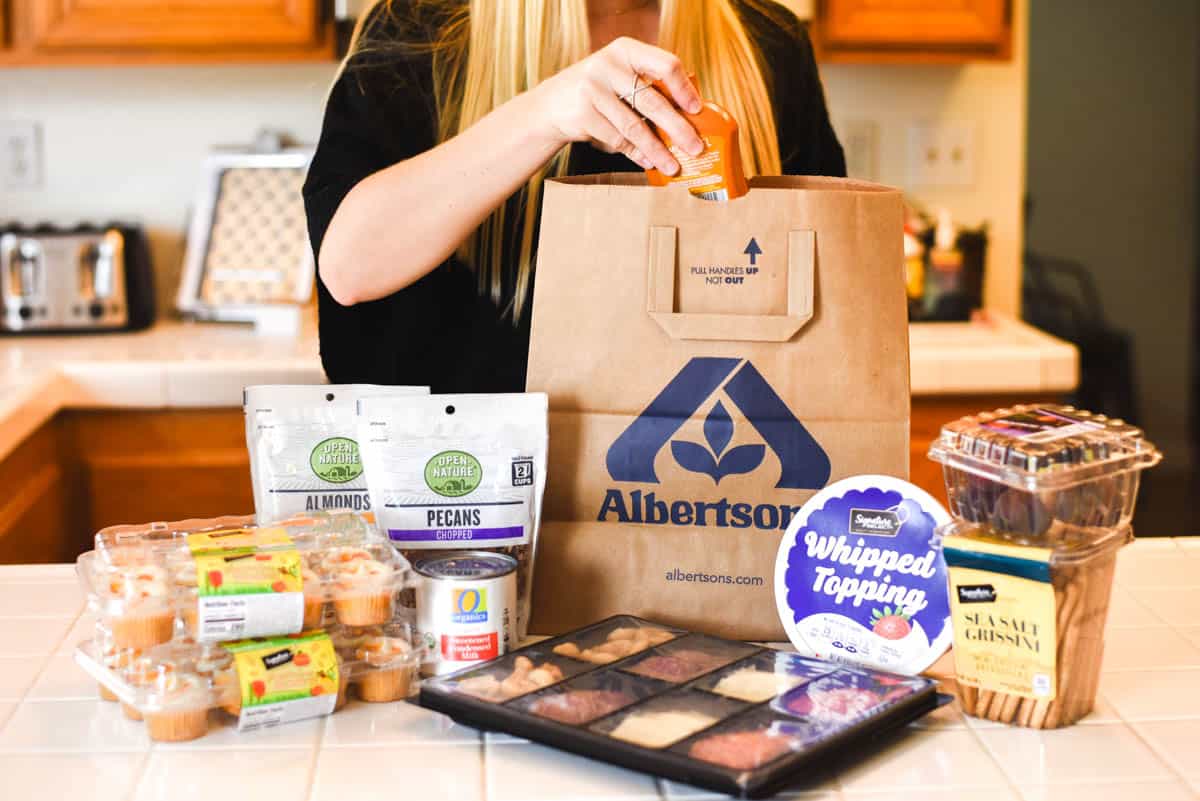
{"points": [[205, 673], [1036, 447], [172, 583], [146, 541]]}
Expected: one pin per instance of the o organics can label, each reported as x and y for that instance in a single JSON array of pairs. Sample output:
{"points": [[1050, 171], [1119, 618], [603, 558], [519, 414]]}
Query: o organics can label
{"points": [[860, 576], [466, 608]]}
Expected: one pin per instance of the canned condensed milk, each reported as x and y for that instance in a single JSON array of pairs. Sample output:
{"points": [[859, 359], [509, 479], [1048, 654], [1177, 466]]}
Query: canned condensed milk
{"points": [[466, 607]]}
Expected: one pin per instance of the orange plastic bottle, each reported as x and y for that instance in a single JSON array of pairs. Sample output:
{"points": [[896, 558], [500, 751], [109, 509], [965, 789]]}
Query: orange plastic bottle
{"points": [[715, 174]]}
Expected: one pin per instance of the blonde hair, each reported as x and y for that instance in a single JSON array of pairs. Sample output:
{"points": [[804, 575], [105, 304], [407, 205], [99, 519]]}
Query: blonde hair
{"points": [[486, 52]]}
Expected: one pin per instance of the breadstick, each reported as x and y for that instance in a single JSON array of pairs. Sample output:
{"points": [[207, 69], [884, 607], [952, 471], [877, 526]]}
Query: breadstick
{"points": [[1026, 711], [982, 703], [1011, 703], [967, 696]]}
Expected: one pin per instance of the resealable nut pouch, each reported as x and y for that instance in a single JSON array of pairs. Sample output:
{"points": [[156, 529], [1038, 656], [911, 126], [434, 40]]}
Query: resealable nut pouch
{"points": [[710, 366], [304, 454], [459, 472]]}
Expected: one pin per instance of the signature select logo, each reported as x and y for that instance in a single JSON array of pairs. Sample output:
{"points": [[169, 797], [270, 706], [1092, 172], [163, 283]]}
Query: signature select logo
{"points": [[875, 521]]}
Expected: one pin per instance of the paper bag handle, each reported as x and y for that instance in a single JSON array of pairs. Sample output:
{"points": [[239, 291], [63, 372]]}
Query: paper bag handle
{"points": [[660, 295]]}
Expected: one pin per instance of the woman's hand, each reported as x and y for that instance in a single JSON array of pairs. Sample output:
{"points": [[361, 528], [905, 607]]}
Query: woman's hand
{"points": [[584, 103]]}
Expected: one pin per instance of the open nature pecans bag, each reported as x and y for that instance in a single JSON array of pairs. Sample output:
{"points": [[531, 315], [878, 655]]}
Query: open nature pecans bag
{"points": [[458, 472], [710, 366], [304, 454]]}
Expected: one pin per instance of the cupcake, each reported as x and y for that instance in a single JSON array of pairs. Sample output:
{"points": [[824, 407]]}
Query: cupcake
{"points": [[314, 599], [182, 709], [144, 673], [146, 617], [343, 685], [362, 587], [185, 579], [116, 660], [228, 690], [329, 562], [212, 660], [388, 674]]}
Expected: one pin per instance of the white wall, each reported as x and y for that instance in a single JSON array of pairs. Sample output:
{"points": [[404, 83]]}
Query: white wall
{"points": [[991, 97], [128, 142]]}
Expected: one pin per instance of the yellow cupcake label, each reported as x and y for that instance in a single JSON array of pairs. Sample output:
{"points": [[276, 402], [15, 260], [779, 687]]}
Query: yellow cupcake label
{"points": [[1003, 609], [237, 538], [248, 572], [284, 679], [248, 591]]}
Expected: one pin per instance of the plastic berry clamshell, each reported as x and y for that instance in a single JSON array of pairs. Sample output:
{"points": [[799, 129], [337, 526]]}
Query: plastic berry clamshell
{"points": [[225, 579], [1022, 470], [259, 682]]}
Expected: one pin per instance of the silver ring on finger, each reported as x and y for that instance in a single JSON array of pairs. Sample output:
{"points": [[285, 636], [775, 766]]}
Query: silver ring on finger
{"points": [[638, 86]]}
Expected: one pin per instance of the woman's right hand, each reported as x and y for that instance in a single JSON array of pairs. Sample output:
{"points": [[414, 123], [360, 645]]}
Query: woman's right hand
{"points": [[583, 103]]}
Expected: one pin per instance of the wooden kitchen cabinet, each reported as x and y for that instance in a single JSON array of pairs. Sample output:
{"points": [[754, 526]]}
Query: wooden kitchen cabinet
{"points": [[912, 31], [168, 31], [85, 470]]}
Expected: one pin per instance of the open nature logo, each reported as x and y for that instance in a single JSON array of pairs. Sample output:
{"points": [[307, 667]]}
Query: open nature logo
{"points": [[453, 474], [336, 460]]}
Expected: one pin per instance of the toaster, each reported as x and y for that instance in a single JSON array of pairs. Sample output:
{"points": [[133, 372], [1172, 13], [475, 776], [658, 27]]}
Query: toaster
{"points": [[75, 280]]}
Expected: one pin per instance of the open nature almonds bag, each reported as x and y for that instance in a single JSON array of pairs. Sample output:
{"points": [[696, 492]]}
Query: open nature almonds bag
{"points": [[303, 443], [710, 365]]}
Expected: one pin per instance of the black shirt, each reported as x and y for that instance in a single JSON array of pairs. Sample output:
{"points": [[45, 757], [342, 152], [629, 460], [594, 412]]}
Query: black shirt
{"points": [[440, 332]]}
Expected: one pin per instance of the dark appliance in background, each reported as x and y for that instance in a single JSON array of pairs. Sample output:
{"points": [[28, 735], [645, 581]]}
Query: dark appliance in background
{"points": [[90, 278], [1060, 297], [944, 265], [965, 295]]}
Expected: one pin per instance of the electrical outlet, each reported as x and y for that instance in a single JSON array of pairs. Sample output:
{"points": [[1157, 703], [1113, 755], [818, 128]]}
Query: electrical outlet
{"points": [[860, 141], [20, 154], [941, 155]]}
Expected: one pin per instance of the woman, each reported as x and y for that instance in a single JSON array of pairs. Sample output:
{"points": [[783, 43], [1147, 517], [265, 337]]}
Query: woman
{"points": [[423, 196]]}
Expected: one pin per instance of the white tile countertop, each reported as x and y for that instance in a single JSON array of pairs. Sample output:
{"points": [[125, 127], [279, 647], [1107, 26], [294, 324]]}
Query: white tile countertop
{"points": [[178, 364], [58, 740]]}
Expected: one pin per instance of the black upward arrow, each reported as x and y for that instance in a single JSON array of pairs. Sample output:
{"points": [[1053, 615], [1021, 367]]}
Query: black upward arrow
{"points": [[753, 250]]}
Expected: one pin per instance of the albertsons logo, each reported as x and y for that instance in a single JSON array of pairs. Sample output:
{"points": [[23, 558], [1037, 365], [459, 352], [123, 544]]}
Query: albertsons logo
{"points": [[803, 462]]}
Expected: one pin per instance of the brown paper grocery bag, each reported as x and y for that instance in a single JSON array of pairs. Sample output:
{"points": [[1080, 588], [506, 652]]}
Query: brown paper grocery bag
{"points": [[710, 366]]}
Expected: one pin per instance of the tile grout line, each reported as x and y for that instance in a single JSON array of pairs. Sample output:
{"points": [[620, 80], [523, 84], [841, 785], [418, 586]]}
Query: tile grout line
{"points": [[314, 761], [484, 790], [46, 659], [1162, 759], [143, 767], [1008, 780]]}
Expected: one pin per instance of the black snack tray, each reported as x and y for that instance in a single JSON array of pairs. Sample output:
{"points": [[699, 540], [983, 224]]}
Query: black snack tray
{"points": [[805, 757]]}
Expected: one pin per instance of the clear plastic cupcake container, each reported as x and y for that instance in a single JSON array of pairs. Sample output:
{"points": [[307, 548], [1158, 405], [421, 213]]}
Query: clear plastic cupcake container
{"points": [[1025, 470], [223, 579], [175, 687]]}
